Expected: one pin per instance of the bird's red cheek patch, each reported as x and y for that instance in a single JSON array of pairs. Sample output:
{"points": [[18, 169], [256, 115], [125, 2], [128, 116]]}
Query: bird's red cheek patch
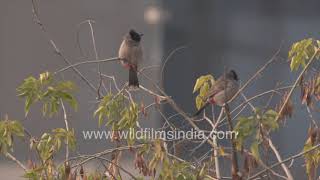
{"points": [[211, 101], [126, 65]]}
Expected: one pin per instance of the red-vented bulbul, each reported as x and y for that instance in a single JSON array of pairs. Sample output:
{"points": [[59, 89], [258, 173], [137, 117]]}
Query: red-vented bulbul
{"points": [[130, 54], [221, 91]]}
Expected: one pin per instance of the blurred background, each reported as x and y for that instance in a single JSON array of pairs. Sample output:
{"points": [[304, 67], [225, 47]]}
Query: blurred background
{"points": [[217, 35]]}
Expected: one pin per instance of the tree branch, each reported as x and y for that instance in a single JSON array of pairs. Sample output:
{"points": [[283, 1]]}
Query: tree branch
{"points": [[284, 167], [284, 161], [54, 46], [10, 156], [235, 167], [296, 83], [65, 117], [86, 62]]}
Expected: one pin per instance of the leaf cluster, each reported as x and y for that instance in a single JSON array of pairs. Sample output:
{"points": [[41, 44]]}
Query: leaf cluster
{"points": [[118, 113], [301, 52], [312, 158], [9, 129], [50, 143], [202, 85], [255, 127], [47, 90]]}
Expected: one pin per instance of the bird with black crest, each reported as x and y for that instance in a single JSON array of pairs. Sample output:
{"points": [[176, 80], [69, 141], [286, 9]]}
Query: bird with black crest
{"points": [[130, 55], [221, 91]]}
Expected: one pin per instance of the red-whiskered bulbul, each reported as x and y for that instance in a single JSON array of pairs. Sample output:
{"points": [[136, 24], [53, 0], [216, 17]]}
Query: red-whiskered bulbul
{"points": [[221, 91], [130, 54]]}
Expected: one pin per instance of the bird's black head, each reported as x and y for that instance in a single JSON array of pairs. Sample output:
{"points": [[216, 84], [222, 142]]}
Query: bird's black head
{"points": [[135, 36], [232, 74]]}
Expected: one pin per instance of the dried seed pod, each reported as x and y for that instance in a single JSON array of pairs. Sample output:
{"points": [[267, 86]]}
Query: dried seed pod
{"points": [[81, 172], [288, 107], [249, 163]]}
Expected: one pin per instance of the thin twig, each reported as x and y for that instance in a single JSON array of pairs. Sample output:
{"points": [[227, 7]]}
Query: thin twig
{"points": [[284, 167], [274, 149], [167, 59], [96, 57], [311, 116], [194, 167], [284, 161], [65, 117], [255, 97], [54, 46], [296, 84], [235, 167], [99, 154], [172, 103], [10, 156], [123, 169], [114, 81], [216, 159], [273, 58], [153, 93], [87, 62]]}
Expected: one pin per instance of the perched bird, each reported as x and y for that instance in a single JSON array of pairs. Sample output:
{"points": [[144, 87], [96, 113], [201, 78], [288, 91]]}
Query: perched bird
{"points": [[221, 91], [130, 54]]}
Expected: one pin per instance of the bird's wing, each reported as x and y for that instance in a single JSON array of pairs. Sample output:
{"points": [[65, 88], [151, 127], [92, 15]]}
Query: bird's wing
{"points": [[136, 55]]}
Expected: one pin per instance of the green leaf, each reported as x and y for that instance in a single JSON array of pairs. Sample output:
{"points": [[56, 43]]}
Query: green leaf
{"points": [[17, 129], [45, 77], [204, 89], [9, 129], [47, 90], [246, 127], [301, 52], [269, 120], [254, 148], [31, 174], [203, 85], [59, 130], [199, 102], [201, 80], [27, 105]]}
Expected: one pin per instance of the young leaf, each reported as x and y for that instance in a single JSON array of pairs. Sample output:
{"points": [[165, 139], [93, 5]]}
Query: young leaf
{"points": [[254, 148], [201, 80]]}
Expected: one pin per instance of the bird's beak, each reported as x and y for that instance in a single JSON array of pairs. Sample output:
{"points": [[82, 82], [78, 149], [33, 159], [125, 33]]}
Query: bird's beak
{"points": [[141, 34]]}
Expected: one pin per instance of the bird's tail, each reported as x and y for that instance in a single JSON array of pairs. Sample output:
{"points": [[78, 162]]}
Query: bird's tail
{"points": [[133, 78], [201, 109]]}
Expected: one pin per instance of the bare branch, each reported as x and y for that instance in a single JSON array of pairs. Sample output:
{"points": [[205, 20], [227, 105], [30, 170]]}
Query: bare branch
{"points": [[296, 83], [284, 161], [10, 156], [120, 167], [167, 59], [65, 117], [273, 58], [274, 149], [284, 167], [54, 46], [88, 158], [87, 62], [235, 167], [96, 56]]}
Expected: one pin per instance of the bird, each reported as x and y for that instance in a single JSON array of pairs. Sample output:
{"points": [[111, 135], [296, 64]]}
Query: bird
{"points": [[131, 54], [221, 91]]}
